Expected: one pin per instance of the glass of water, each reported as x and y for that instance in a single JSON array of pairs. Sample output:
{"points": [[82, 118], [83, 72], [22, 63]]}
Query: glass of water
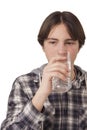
{"points": [[60, 86]]}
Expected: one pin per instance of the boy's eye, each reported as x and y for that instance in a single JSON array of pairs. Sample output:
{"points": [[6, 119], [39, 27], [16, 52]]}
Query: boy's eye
{"points": [[52, 42], [69, 43]]}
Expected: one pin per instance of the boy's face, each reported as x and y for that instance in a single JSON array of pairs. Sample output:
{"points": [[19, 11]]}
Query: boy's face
{"points": [[59, 42]]}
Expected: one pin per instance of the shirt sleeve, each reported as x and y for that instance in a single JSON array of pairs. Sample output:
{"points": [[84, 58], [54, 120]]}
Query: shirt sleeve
{"points": [[21, 114]]}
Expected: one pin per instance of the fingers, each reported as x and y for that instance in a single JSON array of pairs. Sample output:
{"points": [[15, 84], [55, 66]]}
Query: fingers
{"points": [[56, 69], [62, 74], [58, 58]]}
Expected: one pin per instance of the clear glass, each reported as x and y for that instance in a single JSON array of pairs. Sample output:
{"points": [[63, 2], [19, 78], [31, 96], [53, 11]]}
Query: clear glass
{"points": [[60, 86]]}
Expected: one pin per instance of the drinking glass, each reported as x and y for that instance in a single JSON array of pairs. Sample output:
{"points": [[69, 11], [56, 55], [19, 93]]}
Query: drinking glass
{"points": [[60, 86]]}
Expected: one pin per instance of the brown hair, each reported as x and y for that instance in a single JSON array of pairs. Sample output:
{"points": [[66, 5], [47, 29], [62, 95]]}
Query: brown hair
{"points": [[72, 23]]}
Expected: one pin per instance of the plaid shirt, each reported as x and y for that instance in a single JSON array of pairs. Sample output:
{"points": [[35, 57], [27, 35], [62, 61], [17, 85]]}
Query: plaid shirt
{"points": [[66, 111]]}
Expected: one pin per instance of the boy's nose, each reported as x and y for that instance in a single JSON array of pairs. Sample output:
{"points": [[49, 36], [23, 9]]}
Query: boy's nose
{"points": [[62, 49]]}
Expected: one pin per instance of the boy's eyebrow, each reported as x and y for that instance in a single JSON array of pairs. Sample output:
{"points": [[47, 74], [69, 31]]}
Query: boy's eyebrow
{"points": [[52, 39], [70, 39]]}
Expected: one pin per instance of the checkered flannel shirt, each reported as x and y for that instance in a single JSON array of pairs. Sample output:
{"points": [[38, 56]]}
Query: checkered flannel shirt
{"points": [[66, 111]]}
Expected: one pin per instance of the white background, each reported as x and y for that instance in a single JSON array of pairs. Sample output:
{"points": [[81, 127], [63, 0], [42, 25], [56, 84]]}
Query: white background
{"points": [[20, 52]]}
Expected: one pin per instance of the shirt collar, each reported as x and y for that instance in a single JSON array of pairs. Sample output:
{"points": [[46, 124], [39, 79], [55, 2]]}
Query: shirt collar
{"points": [[79, 81]]}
